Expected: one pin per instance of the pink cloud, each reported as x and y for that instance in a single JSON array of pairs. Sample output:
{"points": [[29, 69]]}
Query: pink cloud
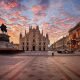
{"points": [[39, 17], [8, 6], [16, 13], [38, 8], [13, 19], [66, 23], [22, 18]]}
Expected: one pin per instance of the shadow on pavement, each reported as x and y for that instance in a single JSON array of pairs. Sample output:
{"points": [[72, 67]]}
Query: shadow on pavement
{"points": [[10, 52]]}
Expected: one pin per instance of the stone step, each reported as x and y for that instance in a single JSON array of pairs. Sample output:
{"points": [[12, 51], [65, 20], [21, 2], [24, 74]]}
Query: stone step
{"points": [[35, 53]]}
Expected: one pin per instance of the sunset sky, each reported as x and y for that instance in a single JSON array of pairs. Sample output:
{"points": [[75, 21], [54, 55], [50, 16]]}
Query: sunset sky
{"points": [[55, 17]]}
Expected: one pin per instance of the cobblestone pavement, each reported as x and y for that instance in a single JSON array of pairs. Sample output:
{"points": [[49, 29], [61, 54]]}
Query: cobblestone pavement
{"points": [[39, 68]]}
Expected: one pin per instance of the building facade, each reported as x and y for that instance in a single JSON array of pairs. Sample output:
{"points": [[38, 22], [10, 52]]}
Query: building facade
{"points": [[34, 40], [61, 44], [16, 46], [70, 42], [74, 37]]}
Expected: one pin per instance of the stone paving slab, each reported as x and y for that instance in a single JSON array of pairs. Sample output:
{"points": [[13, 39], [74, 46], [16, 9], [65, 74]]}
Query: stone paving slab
{"points": [[40, 68]]}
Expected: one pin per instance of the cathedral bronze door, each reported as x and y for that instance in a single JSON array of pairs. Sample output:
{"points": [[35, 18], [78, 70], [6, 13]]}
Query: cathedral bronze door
{"points": [[44, 49], [23, 48], [39, 48], [33, 48]]}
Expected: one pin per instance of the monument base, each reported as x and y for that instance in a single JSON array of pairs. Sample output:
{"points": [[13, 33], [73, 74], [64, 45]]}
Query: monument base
{"points": [[4, 37], [5, 42], [6, 45]]}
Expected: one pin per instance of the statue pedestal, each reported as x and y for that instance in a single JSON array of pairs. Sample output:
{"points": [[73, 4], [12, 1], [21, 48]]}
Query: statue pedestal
{"points": [[5, 42], [4, 37], [5, 45]]}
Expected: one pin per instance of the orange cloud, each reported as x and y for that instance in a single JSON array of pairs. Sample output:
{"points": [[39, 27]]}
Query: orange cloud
{"points": [[12, 29], [13, 37], [2, 21]]}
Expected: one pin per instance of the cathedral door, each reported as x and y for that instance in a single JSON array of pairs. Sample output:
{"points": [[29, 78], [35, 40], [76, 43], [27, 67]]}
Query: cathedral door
{"points": [[23, 48], [39, 48], [44, 49], [33, 48], [27, 48]]}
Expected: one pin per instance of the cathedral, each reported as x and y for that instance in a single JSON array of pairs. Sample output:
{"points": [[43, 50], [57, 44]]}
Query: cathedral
{"points": [[34, 40]]}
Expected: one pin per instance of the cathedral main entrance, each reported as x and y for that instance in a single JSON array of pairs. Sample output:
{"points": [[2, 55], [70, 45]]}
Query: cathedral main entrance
{"points": [[23, 48], [33, 48]]}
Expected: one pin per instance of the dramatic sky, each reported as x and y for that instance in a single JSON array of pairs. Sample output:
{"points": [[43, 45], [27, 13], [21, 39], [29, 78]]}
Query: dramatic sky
{"points": [[55, 17]]}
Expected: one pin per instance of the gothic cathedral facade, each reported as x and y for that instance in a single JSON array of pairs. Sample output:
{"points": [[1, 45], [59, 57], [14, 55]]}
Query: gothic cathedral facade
{"points": [[34, 40]]}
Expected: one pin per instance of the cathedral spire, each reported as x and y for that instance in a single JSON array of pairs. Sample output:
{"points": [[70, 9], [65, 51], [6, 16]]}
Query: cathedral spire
{"points": [[37, 27], [42, 32], [47, 36], [30, 27], [20, 35], [25, 32]]}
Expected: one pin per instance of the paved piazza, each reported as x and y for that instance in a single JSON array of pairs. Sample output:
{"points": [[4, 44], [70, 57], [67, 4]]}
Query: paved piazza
{"points": [[18, 67]]}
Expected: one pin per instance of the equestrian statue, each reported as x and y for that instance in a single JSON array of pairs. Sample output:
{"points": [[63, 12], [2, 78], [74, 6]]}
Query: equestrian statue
{"points": [[3, 35], [3, 28]]}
